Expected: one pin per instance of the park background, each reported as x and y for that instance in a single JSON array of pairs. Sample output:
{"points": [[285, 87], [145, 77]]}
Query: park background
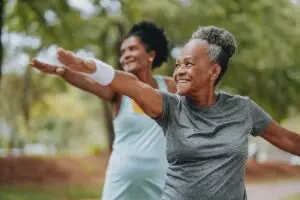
{"points": [[55, 138]]}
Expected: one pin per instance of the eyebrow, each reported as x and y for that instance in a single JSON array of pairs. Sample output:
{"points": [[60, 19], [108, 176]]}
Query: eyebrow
{"points": [[128, 46], [184, 59], [188, 58]]}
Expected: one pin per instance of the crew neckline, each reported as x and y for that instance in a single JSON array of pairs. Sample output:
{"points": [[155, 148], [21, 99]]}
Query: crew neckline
{"points": [[207, 109]]}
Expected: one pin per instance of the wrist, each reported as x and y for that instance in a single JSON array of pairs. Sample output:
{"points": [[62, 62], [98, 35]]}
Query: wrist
{"points": [[103, 74]]}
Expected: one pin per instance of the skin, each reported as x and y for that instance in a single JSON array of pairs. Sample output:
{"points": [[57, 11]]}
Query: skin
{"points": [[134, 59], [195, 75]]}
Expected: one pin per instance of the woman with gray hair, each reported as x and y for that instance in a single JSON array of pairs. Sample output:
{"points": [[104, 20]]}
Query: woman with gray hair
{"points": [[207, 131]]}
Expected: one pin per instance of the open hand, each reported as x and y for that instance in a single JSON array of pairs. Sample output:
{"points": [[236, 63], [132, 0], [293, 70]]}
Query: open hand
{"points": [[74, 62], [47, 68]]}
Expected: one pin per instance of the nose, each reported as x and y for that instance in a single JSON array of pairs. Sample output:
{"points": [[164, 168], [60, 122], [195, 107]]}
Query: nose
{"points": [[125, 56], [181, 70]]}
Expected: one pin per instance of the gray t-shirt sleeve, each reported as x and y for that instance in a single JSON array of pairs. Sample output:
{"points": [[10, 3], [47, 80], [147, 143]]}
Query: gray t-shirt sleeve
{"points": [[260, 119], [170, 102]]}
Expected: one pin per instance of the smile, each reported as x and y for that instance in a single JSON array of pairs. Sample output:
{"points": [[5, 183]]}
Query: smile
{"points": [[183, 81], [129, 62]]}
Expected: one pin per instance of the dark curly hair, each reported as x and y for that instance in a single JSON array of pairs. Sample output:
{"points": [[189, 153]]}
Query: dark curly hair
{"points": [[153, 38], [221, 45]]}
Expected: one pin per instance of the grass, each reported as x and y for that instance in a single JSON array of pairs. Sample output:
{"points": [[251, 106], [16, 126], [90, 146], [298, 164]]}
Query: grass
{"points": [[272, 180], [293, 197], [48, 193]]}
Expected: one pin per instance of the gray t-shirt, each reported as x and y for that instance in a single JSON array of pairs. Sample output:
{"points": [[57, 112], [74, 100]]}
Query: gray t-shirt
{"points": [[207, 147]]}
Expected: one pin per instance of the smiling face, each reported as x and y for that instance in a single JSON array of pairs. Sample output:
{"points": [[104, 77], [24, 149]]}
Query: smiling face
{"points": [[194, 69], [134, 56]]}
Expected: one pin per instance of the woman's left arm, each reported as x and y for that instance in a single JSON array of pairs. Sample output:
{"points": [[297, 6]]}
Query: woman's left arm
{"points": [[282, 138]]}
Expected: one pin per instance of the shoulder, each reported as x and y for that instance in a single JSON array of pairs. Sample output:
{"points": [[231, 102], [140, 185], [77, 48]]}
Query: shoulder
{"points": [[234, 99], [170, 84], [171, 98]]}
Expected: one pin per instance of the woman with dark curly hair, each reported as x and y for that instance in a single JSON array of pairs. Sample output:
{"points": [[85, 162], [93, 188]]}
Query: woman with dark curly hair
{"points": [[137, 165], [207, 131]]}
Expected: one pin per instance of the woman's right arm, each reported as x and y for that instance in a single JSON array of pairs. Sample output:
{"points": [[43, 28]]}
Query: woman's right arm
{"points": [[123, 83], [76, 79], [148, 98]]}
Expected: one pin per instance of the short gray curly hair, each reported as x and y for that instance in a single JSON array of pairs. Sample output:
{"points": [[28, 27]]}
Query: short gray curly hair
{"points": [[221, 45]]}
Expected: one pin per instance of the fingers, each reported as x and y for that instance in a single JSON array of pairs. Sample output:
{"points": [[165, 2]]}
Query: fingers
{"points": [[42, 66], [47, 68], [74, 62], [90, 65], [65, 57], [70, 60]]}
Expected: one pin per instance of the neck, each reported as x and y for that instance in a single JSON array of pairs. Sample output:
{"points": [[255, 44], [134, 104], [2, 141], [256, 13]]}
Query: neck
{"points": [[205, 96]]}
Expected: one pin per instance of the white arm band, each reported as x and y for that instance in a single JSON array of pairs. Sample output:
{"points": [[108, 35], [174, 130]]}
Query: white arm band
{"points": [[104, 73]]}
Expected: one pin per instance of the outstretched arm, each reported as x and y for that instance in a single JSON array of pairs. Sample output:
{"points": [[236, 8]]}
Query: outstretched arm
{"points": [[77, 79], [149, 99], [282, 138]]}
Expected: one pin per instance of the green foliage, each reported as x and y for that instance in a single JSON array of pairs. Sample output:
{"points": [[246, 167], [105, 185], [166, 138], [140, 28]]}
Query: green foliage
{"points": [[37, 193], [2, 141], [266, 66]]}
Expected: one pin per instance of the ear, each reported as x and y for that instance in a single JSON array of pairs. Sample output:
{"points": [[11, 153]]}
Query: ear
{"points": [[151, 55], [215, 72]]}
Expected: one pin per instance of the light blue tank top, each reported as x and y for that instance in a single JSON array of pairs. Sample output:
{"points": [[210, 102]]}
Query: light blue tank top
{"points": [[135, 132], [138, 164]]}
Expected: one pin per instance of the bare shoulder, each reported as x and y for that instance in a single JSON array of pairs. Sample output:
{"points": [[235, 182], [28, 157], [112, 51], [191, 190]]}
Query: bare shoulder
{"points": [[170, 84]]}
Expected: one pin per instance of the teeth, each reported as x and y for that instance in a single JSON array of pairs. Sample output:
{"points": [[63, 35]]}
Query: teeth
{"points": [[182, 81]]}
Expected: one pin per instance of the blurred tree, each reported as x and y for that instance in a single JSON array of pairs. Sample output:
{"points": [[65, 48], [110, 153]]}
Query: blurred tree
{"points": [[266, 66], [38, 19], [266, 62], [1, 46]]}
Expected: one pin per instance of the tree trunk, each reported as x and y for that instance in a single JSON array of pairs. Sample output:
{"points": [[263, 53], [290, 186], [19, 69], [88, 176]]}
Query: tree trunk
{"points": [[122, 33], [108, 123], [107, 111], [1, 45], [107, 107], [26, 97]]}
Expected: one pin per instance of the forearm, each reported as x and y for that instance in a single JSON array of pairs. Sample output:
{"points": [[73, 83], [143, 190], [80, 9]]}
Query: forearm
{"points": [[129, 85], [83, 82], [293, 143], [282, 138], [123, 80]]}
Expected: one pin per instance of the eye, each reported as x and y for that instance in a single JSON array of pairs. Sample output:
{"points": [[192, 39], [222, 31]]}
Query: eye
{"points": [[189, 64], [132, 48]]}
